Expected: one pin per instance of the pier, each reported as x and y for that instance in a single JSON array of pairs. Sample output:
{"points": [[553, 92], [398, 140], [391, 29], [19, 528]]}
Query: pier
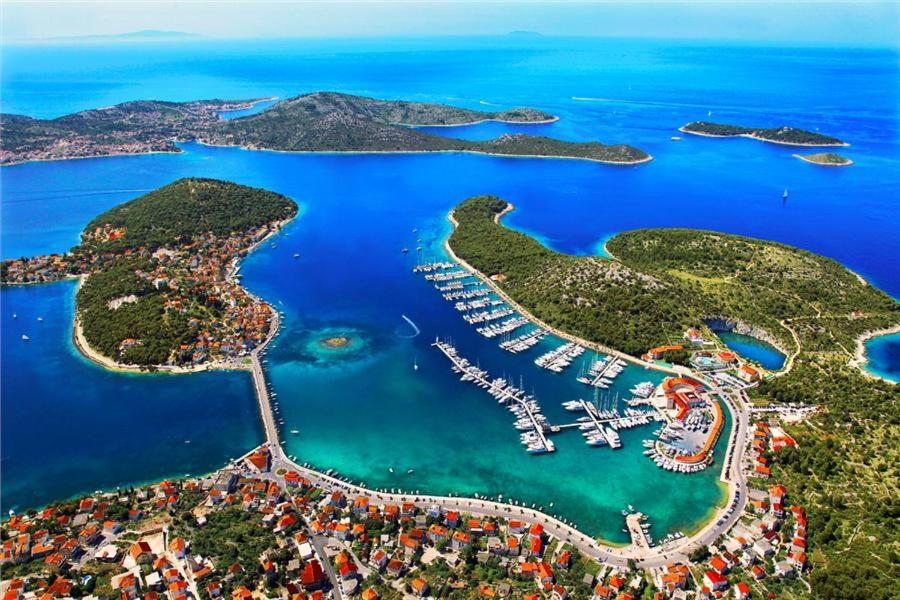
{"points": [[603, 371], [504, 393]]}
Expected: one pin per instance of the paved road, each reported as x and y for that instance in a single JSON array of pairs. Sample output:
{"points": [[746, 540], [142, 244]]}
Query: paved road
{"points": [[645, 557]]}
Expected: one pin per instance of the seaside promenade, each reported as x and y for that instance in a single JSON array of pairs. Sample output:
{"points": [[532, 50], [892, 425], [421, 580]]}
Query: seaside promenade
{"points": [[646, 557]]}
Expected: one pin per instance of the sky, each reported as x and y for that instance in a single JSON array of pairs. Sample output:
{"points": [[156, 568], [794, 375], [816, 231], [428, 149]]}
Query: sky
{"points": [[853, 23]]}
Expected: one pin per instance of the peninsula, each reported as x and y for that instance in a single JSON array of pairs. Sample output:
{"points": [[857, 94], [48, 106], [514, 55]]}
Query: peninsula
{"points": [[157, 276], [662, 281], [789, 136], [826, 159], [316, 122]]}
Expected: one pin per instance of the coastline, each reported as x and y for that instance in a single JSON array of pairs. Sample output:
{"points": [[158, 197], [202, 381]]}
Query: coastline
{"points": [[647, 159], [525, 313], [762, 139], [860, 360], [236, 364], [479, 121], [822, 164], [495, 154]]}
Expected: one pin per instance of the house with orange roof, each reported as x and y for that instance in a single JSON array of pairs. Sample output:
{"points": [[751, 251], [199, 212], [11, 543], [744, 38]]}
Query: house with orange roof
{"points": [[395, 567], [545, 574], [742, 591], [748, 373], [141, 552], [312, 576], [719, 565], [178, 547], [460, 540], [512, 545], [420, 587], [714, 581], [437, 533]]}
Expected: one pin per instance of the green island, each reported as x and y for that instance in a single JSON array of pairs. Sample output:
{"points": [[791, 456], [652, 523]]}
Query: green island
{"points": [[827, 159], [157, 288], [844, 468], [316, 122], [789, 136]]}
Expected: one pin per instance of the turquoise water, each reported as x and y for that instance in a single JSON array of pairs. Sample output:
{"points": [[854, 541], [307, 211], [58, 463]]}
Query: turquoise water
{"points": [[70, 427], [883, 354], [362, 409], [756, 350]]}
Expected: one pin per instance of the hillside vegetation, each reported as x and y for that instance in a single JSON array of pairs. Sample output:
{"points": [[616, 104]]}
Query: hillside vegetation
{"points": [[190, 207], [316, 122], [845, 470], [783, 135]]}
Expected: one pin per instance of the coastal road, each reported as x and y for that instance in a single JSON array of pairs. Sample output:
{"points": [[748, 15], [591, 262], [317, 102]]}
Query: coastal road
{"points": [[656, 556], [676, 550]]}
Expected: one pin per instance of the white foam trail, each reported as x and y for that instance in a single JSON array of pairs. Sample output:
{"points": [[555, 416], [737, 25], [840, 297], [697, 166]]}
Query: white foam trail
{"points": [[413, 325]]}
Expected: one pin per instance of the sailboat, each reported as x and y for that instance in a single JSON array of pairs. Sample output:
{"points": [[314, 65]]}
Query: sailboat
{"points": [[785, 194], [415, 365]]}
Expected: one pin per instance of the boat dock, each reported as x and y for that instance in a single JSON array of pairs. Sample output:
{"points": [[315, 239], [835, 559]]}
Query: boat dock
{"points": [[638, 530], [524, 341], [507, 326], [434, 266], [603, 371], [522, 405], [558, 359]]}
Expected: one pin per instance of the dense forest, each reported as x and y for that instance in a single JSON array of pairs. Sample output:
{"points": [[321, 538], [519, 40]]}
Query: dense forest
{"points": [[143, 319], [784, 135], [190, 207], [845, 468]]}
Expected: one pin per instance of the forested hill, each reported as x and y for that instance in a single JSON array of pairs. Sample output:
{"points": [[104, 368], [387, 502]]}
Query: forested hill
{"points": [[316, 122], [844, 470], [190, 207], [790, 136]]}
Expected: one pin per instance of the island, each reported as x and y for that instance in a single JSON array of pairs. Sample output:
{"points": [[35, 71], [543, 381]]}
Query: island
{"points": [[662, 290], [788, 136], [826, 159], [316, 122], [158, 287]]}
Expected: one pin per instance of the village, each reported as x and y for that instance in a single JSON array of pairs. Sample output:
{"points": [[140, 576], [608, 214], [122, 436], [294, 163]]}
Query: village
{"points": [[197, 278], [248, 531]]}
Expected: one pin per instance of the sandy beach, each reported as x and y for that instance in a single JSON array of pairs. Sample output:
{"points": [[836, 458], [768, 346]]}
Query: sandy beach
{"points": [[859, 358]]}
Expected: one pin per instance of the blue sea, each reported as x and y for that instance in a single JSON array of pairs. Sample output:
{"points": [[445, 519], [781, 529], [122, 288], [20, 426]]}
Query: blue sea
{"points": [[364, 410], [883, 355]]}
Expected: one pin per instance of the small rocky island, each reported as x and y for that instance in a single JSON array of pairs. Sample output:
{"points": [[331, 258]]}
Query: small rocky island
{"points": [[826, 159], [789, 136], [158, 287], [316, 122]]}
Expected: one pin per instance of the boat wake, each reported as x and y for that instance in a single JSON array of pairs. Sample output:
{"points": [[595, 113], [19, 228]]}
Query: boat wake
{"points": [[411, 324]]}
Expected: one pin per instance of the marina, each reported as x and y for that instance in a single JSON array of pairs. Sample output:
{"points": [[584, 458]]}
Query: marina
{"points": [[602, 372], [559, 359], [524, 341], [529, 419]]}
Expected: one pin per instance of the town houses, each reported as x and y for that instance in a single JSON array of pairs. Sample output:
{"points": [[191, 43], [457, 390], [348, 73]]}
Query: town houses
{"points": [[195, 278], [303, 541]]}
